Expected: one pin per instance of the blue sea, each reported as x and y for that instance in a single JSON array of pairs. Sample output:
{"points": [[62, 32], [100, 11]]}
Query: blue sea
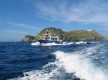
{"points": [[21, 61]]}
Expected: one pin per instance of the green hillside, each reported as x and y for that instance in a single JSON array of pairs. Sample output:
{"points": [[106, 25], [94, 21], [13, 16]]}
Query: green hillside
{"points": [[76, 35], [84, 35], [53, 31], [29, 38]]}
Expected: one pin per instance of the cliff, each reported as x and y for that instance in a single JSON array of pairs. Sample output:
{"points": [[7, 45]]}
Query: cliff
{"points": [[29, 38]]}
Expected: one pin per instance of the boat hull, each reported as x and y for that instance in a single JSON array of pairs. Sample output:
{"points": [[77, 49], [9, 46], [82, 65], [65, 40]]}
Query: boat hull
{"points": [[50, 42]]}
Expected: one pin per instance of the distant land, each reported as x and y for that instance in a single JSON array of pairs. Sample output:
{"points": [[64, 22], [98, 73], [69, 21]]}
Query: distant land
{"points": [[76, 35]]}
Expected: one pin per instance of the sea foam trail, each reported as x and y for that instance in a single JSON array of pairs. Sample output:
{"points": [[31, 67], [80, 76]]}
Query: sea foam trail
{"points": [[77, 63], [81, 66]]}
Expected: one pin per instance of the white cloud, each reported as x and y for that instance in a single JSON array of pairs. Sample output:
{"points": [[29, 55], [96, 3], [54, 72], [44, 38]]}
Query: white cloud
{"points": [[93, 11], [22, 25], [13, 32], [11, 35]]}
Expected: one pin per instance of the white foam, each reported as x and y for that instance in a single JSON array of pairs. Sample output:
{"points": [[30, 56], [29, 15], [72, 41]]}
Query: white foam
{"points": [[81, 66], [40, 74], [81, 42], [35, 44], [51, 44], [76, 62], [56, 44]]}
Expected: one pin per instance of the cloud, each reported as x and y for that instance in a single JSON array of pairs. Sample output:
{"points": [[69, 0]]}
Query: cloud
{"points": [[22, 25], [11, 35], [92, 11], [13, 32]]}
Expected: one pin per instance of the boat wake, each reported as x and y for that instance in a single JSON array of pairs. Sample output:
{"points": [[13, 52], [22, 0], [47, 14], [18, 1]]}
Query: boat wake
{"points": [[35, 44], [51, 44], [55, 44], [69, 66]]}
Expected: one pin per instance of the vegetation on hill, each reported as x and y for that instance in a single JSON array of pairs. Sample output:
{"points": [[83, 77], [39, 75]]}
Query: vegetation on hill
{"points": [[76, 35], [82, 35], [53, 31], [29, 38]]}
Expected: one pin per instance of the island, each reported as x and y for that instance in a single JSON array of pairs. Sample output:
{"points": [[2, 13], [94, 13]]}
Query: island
{"points": [[75, 35]]}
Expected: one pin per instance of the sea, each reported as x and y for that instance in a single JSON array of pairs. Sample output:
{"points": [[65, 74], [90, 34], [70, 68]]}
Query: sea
{"points": [[21, 61]]}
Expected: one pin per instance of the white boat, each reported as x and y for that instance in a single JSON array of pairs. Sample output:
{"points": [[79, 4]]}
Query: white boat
{"points": [[49, 40]]}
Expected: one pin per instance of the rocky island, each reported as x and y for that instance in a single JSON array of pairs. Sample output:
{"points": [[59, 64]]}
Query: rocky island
{"points": [[76, 35]]}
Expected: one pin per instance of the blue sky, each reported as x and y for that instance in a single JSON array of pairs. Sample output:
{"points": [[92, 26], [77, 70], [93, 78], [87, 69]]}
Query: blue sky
{"points": [[22, 17]]}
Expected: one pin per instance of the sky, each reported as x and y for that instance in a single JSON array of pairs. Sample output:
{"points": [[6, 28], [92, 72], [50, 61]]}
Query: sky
{"points": [[22, 17]]}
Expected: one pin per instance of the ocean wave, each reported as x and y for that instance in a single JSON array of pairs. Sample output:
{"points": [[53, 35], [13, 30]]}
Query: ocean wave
{"points": [[68, 66]]}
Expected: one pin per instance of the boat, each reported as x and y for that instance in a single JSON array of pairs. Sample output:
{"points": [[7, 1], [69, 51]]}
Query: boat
{"points": [[49, 40]]}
